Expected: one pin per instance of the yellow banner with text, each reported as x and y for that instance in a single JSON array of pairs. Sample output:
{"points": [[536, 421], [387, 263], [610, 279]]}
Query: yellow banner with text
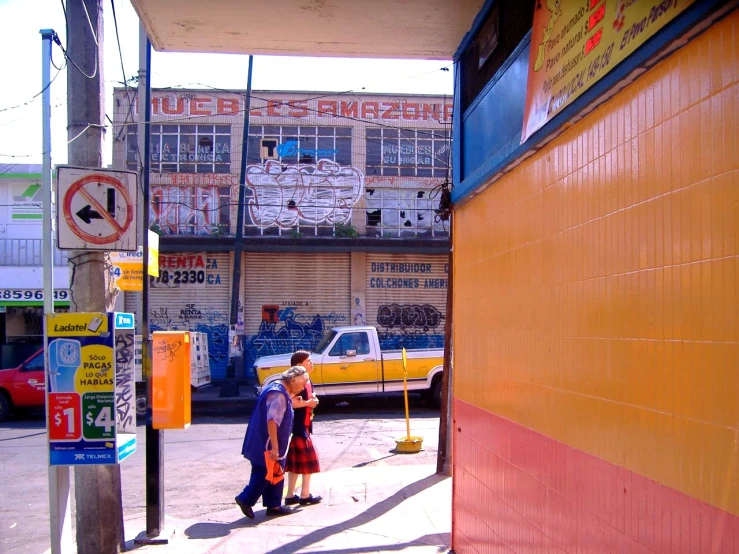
{"points": [[574, 43]]}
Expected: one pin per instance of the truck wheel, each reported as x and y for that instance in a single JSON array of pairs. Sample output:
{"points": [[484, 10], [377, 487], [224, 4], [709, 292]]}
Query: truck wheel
{"points": [[4, 406], [140, 405], [436, 393]]}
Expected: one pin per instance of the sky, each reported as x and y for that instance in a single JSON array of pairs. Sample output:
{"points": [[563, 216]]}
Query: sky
{"points": [[20, 67]]}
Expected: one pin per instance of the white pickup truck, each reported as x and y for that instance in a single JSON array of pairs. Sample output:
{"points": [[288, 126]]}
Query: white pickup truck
{"points": [[348, 360]]}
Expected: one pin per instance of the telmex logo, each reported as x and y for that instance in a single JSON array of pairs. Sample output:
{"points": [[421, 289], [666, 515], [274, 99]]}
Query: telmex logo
{"points": [[290, 148]]}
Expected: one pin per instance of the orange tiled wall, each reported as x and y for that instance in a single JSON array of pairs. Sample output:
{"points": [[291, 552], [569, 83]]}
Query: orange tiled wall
{"points": [[596, 298]]}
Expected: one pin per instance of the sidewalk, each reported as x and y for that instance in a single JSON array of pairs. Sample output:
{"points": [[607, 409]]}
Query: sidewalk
{"points": [[208, 401], [370, 509]]}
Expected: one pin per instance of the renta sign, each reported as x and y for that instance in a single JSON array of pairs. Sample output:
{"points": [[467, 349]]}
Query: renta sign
{"points": [[200, 104]]}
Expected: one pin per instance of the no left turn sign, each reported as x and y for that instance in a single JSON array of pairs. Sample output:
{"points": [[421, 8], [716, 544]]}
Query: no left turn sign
{"points": [[96, 209]]}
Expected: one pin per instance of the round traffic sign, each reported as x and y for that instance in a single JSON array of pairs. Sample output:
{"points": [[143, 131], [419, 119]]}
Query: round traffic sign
{"points": [[110, 227]]}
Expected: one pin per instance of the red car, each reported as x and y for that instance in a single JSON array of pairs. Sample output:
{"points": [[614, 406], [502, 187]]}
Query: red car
{"points": [[23, 386]]}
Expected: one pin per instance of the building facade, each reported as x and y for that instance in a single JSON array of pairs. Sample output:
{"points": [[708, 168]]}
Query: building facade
{"points": [[340, 217], [595, 234], [21, 264]]}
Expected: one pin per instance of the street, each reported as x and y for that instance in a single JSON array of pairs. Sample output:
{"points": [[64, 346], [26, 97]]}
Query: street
{"points": [[203, 468]]}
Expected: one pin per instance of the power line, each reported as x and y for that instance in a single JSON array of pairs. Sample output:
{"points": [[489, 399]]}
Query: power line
{"points": [[55, 37], [89, 21], [29, 101]]}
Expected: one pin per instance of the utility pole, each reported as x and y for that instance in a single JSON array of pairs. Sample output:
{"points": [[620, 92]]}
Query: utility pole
{"points": [[97, 487]]}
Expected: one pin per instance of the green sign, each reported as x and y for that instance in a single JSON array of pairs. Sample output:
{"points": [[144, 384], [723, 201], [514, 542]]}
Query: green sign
{"points": [[98, 421]]}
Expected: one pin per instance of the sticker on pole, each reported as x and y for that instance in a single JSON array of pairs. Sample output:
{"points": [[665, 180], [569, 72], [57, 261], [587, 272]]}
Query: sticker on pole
{"points": [[96, 209]]}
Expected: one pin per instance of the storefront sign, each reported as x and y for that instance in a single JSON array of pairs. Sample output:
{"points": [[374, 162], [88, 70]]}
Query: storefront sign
{"points": [[31, 297], [405, 275], [574, 44], [128, 267], [177, 270], [186, 105], [26, 201], [291, 148], [128, 270], [83, 420]]}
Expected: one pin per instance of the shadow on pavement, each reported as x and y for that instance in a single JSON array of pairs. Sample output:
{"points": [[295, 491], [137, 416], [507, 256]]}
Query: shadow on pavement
{"points": [[216, 530], [365, 517], [23, 436], [426, 539]]}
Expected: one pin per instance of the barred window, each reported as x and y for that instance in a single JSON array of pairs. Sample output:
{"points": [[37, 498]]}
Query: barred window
{"points": [[184, 148], [408, 152], [294, 145]]}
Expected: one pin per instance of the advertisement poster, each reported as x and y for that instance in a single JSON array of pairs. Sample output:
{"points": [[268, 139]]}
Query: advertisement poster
{"points": [[574, 43], [82, 416]]}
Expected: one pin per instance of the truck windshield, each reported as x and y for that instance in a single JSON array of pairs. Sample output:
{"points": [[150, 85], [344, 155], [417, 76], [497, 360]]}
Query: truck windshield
{"points": [[325, 341]]}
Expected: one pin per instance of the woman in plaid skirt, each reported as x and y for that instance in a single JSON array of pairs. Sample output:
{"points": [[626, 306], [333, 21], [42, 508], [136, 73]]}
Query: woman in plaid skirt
{"points": [[302, 458]]}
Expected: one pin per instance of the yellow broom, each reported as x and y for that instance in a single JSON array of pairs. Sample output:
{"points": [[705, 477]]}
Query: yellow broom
{"points": [[408, 444]]}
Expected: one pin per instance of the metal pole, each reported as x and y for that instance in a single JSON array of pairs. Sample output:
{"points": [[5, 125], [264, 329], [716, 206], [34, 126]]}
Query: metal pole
{"points": [[154, 441], [230, 388], [59, 517]]}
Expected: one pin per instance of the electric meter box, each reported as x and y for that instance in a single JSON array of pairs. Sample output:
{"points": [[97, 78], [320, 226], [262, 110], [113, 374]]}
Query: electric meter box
{"points": [[170, 380]]}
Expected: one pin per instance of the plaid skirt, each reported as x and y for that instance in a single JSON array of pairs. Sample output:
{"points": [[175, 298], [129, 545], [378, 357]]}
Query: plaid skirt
{"points": [[302, 457]]}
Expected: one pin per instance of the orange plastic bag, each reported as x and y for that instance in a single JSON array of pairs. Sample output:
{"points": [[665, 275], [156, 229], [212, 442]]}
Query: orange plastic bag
{"points": [[275, 472]]}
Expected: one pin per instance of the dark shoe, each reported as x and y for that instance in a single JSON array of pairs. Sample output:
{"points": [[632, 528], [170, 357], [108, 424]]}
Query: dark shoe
{"points": [[290, 500], [281, 511], [310, 500], [245, 508]]}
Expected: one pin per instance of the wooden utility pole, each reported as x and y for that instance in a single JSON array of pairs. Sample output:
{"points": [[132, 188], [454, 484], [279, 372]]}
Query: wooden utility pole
{"points": [[99, 514]]}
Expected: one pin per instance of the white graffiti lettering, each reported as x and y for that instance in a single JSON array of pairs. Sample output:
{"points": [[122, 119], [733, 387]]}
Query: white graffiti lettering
{"points": [[283, 196]]}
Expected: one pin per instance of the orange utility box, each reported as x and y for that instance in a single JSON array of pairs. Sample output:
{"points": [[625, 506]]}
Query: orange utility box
{"points": [[170, 373]]}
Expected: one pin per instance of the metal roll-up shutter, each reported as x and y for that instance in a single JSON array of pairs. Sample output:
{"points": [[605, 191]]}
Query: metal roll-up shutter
{"points": [[406, 299], [192, 293], [291, 298], [131, 305]]}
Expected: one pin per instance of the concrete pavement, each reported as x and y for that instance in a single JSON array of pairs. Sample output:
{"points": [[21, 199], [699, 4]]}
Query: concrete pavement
{"points": [[365, 509]]}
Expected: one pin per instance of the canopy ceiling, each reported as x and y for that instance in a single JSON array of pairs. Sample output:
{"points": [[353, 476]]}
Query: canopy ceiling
{"points": [[408, 29]]}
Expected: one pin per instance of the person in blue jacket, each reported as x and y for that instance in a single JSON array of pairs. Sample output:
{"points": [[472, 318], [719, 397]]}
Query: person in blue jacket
{"points": [[269, 430]]}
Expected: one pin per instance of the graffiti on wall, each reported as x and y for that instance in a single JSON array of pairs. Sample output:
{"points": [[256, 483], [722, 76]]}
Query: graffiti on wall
{"points": [[284, 330], [191, 210], [409, 326], [418, 324], [125, 387], [409, 318], [284, 196]]}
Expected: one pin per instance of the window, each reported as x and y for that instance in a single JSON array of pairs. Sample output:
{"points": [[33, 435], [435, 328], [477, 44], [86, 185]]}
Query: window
{"points": [[35, 364], [295, 198], [303, 145], [184, 148], [408, 152], [351, 341], [403, 212]]}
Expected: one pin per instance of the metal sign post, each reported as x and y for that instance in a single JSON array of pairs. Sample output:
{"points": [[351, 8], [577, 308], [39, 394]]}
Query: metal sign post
{"points": [[59, 513]]}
